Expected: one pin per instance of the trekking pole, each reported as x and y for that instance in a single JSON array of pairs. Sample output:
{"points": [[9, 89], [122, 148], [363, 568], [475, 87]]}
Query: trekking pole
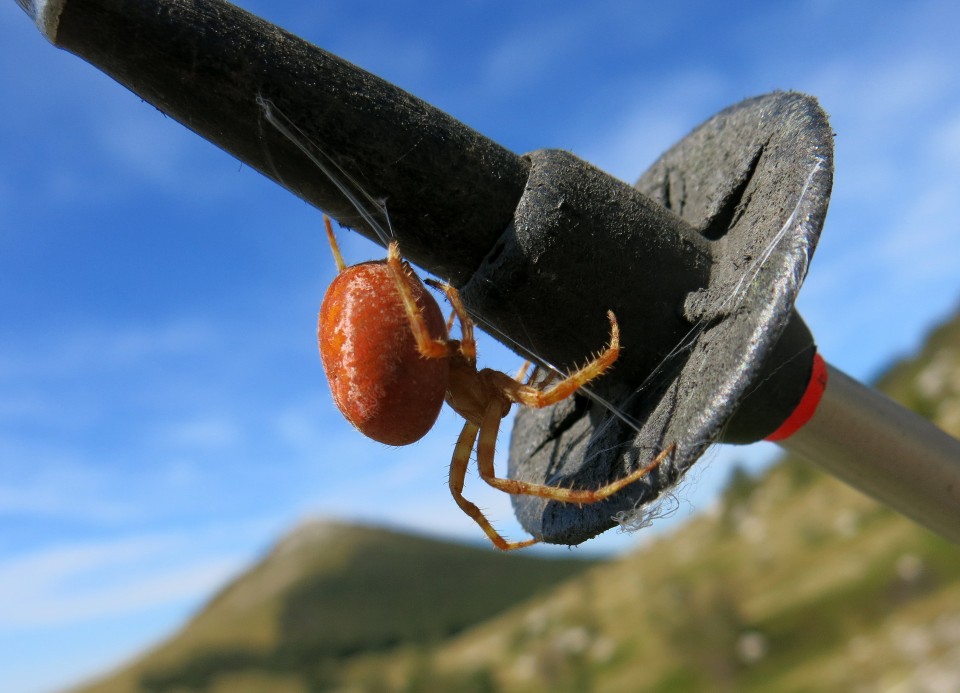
{"points": [[701, 260]]}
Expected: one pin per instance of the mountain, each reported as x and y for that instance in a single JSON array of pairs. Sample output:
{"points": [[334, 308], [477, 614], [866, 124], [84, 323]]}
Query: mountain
{"points": [[791, 582], [330, 591]]}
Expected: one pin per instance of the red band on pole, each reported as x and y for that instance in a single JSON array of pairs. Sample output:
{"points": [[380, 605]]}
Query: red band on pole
{"points": [[808, 403]]}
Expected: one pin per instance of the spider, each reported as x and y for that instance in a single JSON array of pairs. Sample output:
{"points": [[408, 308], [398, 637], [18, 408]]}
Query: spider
{"points": [[391, 364]]}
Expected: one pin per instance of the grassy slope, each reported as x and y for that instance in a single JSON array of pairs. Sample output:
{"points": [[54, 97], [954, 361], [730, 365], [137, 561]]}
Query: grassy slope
{"points": [[794, 582], [329, 591]]}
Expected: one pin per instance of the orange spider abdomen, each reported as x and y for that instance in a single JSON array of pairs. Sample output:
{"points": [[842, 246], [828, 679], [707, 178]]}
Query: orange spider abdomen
{"points": [[379, 380]]}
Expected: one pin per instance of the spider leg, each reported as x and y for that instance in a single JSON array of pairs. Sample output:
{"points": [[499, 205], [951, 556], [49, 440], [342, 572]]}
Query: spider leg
{"points": [[537, 397], [485, 453], [521, 376], [458, 471], [468, 344], [334, 246], [427, 346]]}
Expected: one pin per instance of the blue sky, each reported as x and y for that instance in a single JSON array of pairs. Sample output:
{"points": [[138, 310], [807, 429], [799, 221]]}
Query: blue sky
{"points": [[163, 413]]}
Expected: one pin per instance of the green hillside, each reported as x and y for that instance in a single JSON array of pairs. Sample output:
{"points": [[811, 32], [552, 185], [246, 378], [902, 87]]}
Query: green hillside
{"points": [[330, 591], [791, 582]]}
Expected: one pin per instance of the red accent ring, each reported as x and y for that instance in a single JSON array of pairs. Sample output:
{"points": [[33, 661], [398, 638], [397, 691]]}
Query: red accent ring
{"points": [[808, 403]]}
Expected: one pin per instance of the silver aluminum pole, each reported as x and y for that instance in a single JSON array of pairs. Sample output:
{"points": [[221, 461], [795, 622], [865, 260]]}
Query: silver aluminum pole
{"points": [[886, 451]]}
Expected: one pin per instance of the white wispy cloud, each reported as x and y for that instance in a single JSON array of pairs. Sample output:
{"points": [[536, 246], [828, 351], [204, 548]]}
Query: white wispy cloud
{"points": [[70, 583], [651, 120], [524, 53], [157, 153], [943, 144], [57, 500], [922, 247], [48, 479], [89, 348], [205, 432]]}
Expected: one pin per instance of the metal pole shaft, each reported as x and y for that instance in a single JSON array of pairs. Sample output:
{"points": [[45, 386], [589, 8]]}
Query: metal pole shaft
{"points": [[886, 451]]}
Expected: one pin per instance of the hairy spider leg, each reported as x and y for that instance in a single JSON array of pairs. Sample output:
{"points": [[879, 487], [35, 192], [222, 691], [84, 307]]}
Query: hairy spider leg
{"points": [[451, 320], [521, 375], [489, 430], [468, 344], [334, 246], [429, 348], [458, 471], [535, 397]]}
